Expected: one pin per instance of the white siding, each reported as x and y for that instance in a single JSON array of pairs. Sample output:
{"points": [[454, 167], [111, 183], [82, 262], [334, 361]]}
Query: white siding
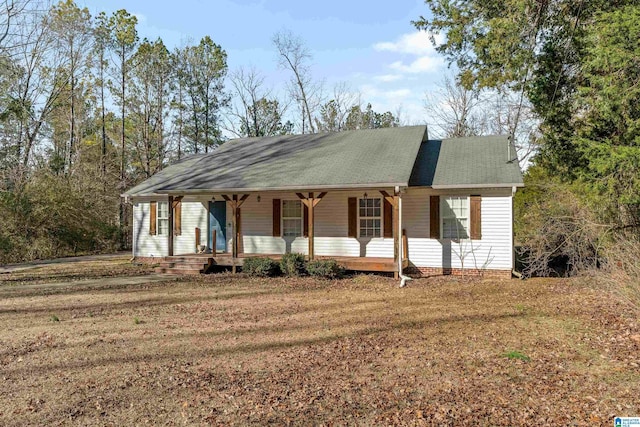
{"points": [[194, 214], [144, 244], [331, 228], [493, 251]]}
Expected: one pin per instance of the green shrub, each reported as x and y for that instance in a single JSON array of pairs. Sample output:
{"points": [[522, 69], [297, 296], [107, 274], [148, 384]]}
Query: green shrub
{"points": [[292, 265], [260, 267], [325, 268]]}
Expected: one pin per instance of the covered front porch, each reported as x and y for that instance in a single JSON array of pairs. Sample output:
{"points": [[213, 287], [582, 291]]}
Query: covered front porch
{"points": [[201, 263], [326, 225]]}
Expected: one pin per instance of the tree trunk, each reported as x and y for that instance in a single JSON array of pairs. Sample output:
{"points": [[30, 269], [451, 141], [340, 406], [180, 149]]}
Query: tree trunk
{"points": [[72, 130], [104, 131], [122, 58], [180, 122]]}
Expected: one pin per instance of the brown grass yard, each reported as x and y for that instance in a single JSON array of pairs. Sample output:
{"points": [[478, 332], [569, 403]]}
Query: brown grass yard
{"points": [[231, 350]]}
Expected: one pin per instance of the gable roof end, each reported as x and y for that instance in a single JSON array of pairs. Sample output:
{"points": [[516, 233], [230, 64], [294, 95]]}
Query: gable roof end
{"points": [[471, 162]]}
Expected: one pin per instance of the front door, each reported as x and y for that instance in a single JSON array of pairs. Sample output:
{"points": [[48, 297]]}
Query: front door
{"points": [[217, 222]]}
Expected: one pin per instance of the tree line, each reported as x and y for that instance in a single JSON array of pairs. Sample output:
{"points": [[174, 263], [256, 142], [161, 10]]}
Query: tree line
{"points": [[574, 65], [89, 108]]}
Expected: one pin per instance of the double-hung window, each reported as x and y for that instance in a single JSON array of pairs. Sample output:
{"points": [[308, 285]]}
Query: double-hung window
{"points": [[454, 214], [291, 218], [163, 218], [370, 217]]}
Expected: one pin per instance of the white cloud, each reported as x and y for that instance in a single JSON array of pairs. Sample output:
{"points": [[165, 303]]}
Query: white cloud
{"points": [[395, 94], [416, 43], [388, 78], [424, 64], [388, 96], [406, 100]]}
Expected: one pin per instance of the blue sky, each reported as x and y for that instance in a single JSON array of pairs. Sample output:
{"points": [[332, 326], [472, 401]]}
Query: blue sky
{"points": [[372, 47]]}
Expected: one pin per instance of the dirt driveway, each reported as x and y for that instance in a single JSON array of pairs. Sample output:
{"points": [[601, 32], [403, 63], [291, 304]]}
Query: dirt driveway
{"points": [[230, 350]]}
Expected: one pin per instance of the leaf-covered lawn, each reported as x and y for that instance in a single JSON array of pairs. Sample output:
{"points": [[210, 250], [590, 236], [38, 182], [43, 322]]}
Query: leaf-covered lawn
{"points": [[75, 271], [231, 350]]}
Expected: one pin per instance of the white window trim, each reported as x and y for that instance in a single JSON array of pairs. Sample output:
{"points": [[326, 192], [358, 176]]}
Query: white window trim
{"points": [[381, 217], [282, 218], [158, 218], [468, 228]]}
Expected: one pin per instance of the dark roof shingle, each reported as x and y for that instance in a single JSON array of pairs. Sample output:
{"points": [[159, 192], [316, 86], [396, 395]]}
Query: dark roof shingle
{"points": [[379, 157], [364, 158], [479, 161]]}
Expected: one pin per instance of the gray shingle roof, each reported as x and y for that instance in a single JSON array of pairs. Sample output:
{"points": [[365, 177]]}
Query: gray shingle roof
{"points": [[362, 158], [470, 162]]}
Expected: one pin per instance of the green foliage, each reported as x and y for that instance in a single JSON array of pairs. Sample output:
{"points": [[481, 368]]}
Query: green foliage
{"points": [[260, 267], [54, 318], [517, 355], [201, 71], [292, 264], [150, 90], [556, 226], [369, 119], [54, 216], [336, 116], [608, 126], [264, 118], [325, 268], [577, 63], [123, 31], [534, 47]]}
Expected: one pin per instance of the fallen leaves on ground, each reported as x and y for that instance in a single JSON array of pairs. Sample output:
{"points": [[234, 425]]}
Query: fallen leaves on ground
{"points": [[225, 349]]}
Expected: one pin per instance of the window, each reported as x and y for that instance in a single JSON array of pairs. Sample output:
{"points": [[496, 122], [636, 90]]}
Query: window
{"points": [[291, 218], [454, 214], [163, 218], [370, 213]]}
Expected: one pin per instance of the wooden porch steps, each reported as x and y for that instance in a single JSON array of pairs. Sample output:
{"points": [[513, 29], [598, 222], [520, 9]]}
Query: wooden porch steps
{"points": [[183, 264]]}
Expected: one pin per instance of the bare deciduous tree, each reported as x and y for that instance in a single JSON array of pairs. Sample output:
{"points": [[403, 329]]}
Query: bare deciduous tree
{"points": [[72, 31], [37, 82], [256, 112], [10, 11], [333, 114], [508, 114], [454, 111], [295, 56]]}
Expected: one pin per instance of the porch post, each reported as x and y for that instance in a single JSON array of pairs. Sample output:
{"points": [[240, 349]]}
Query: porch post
{"points": [[396, 235], [234, 227], [311, 202], [395, 218], [235, 206], [170, 237], [311, 229]]}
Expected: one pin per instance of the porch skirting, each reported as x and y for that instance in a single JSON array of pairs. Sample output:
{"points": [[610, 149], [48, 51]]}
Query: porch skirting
{"points": [[439, 271]]}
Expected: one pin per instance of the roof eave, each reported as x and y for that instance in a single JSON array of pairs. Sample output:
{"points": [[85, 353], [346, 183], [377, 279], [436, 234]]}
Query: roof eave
{"points": [[195, 192], [460, 186]]}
